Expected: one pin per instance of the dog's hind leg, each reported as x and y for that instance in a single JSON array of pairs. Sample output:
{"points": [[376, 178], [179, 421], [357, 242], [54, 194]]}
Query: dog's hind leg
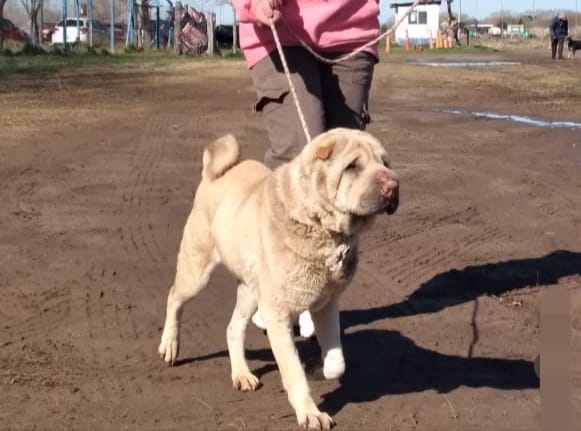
{"points": [[196, 260], [242, 378]]}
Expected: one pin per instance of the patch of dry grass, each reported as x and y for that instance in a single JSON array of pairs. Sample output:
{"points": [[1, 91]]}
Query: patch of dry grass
{"points": [[75, 98], [552, 86]]}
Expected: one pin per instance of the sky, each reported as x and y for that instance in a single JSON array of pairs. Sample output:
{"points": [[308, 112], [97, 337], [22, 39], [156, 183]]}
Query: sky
{"points": [[475, 8]]}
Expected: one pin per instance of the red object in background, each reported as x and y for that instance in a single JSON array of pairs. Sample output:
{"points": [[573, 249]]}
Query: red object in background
{"points": [[11, 32]]}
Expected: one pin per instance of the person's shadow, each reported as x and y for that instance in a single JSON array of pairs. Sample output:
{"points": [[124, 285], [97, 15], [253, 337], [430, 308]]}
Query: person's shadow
{"points": [[383, 362], [458, 286]]}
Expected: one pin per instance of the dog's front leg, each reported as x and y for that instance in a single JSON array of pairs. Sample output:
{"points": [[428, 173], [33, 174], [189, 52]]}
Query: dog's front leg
{"points": [[328, 331], [279, 332]]}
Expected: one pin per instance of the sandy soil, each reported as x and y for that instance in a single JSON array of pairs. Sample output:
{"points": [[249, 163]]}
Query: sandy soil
{"points": [[97, 173]]}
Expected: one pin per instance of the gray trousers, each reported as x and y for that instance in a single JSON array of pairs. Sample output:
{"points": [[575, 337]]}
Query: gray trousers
{"points": [[557, 46], [330, 96]]}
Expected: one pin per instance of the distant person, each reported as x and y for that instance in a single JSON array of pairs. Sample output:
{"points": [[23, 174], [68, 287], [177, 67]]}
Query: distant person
{"points": [[559, 30]]}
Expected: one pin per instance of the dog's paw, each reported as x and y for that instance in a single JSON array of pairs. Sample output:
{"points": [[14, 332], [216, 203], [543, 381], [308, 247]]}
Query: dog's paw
{"points": [[245, 382], [169, 348], [315, 421]]}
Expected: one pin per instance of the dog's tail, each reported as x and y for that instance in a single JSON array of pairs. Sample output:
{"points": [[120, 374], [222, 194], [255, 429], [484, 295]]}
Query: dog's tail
{"points": [[220, 156]]}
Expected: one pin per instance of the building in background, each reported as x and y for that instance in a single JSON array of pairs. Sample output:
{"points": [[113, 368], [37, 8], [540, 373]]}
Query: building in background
{"points": [[425, 18]]}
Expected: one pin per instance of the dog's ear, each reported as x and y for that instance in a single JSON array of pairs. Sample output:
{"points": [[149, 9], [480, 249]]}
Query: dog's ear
{"points": [[322, 149]]}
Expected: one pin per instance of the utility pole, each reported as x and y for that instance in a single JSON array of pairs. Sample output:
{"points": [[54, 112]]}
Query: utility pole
{"points": [[501, 19], [112, 26], [41, 26], [90, 12], [65, 7]]}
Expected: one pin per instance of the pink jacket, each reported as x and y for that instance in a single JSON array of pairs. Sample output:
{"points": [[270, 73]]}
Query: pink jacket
{"points": [[326, 25]]}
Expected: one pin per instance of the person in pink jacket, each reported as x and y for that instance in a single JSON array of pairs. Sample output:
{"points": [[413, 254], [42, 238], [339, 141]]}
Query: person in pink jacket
{"points": [[331, 95]]}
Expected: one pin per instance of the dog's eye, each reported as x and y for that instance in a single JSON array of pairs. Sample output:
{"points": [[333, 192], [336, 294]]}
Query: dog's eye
{"points": [[351, 166]]}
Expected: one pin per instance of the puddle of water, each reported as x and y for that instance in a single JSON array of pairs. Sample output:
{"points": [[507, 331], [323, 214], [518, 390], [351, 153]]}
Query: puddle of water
{"points": [[517, 119], [466, 63]]}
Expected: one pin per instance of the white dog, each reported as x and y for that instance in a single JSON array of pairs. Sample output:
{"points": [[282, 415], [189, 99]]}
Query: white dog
{"points": [[291, 237]]}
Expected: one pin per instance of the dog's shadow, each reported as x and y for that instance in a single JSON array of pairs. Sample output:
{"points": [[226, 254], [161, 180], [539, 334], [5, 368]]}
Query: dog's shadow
{"points": [[383, 362]]}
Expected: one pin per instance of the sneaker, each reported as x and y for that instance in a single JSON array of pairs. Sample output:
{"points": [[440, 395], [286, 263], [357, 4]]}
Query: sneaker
{"points": [[257, 320], [305, 324]]}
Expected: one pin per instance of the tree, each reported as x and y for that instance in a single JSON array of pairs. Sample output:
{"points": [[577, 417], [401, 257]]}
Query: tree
{"points": [[2, 3], [32, 7], [143, 25], [102, 11], [235, 30], [450, 26]]}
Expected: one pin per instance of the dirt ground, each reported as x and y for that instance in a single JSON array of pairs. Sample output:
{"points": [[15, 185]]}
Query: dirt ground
{"points": [[441, 325]]}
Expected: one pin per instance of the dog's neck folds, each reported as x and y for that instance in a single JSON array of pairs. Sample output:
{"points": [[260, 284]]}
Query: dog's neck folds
{"points": [[311, 215]]}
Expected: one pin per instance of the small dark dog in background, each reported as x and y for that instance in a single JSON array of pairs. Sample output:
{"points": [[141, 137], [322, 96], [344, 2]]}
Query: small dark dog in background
{"points": [[573, 45]]}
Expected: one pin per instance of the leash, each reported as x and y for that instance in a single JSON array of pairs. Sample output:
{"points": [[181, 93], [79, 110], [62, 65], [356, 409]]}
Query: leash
{"points": [[324, 59]]}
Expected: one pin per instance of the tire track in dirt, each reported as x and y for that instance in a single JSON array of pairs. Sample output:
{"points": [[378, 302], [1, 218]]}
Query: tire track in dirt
{"points": [[176, 219], [150, 190], [97, 332], [109, 305], [421, 223], [31, 305], [426, 259], [139, 211], [135, 229], [144, 168]]}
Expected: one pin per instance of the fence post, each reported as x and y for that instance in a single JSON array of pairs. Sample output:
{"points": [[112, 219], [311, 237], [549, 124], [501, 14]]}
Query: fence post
{"points": [[177, 27], [65, 7], [210, 32], [112, 26]]}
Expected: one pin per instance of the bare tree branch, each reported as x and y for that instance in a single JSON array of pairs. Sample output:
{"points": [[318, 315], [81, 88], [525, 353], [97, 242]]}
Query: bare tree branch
{"points": [[32, 7]]}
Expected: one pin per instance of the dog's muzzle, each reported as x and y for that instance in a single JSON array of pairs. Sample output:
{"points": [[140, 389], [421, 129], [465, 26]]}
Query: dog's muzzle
{"points": [[388, 191]]}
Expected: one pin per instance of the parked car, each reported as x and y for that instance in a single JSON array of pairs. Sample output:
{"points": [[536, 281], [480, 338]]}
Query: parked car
{"points": [[495, 31], [47, 31], [80, 35], [11, 32]]}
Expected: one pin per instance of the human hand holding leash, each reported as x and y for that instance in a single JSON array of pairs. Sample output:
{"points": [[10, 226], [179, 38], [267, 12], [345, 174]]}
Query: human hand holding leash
{"points": [[267, 11]]}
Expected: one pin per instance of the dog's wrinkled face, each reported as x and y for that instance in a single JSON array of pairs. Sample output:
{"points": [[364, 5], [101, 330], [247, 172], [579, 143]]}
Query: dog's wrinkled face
{"points": [[350, 170]]}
